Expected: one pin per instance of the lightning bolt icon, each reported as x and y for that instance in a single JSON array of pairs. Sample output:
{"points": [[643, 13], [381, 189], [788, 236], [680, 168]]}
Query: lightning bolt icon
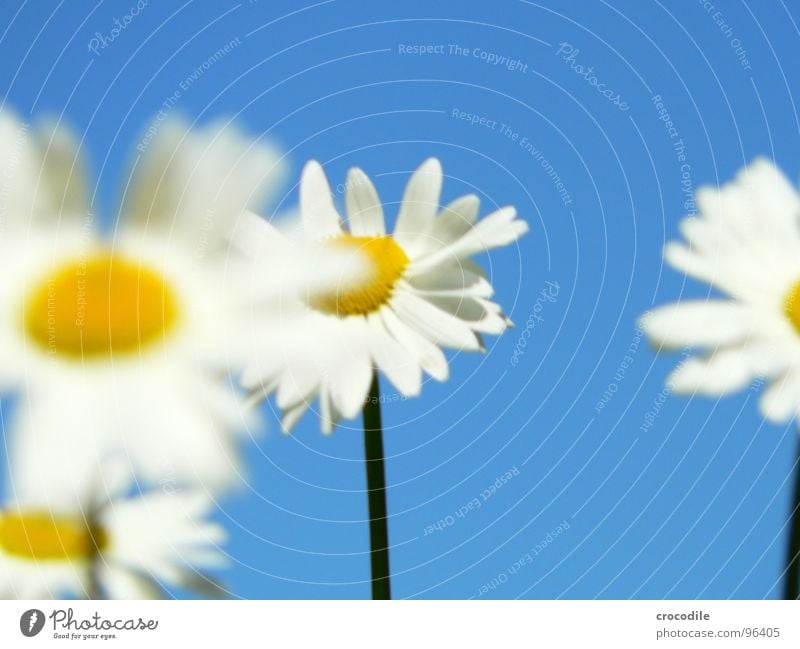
{"points": [[32, 620]]}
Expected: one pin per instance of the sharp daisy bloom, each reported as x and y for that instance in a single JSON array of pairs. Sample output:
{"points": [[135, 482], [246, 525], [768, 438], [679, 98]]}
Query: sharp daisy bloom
{"points": [[125, 547], [745, 243], [118, 342], [420, 291]]}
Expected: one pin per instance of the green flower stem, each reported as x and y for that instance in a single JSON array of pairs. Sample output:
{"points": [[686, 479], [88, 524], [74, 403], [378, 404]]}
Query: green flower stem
{"points": [[376, 491], [793, 560], [93, 589]]}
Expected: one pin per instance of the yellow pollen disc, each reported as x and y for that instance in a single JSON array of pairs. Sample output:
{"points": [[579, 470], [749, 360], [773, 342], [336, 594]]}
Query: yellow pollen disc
{"points": [[100, 305], [791, 306], [41, 536], [387, 262]]}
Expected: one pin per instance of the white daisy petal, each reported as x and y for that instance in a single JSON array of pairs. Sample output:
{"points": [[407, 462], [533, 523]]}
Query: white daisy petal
{"points": [[702, 267], [158, 529], [175, 438], [720, 374], [429, 356], [420, 204], [327, 414], [727, 207], [255, 236], [393, 359], [710, 323], [364, 209], [122, 584], [300, 380], [18, 169], [350, 381], [320, 216], [63, 181], [498, 229], [686, 260], [781, 400], [453, 222], [479, 288], [195, 184], [462, 277], [42, 176], [433, 323], [292, 415], [480, 315], [774, 196], [708, 237]]}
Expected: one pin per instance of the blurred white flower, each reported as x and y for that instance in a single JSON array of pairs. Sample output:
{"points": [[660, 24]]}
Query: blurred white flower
{"points": [[123, 547], [745, 243], [119, 343], [420, 291]]}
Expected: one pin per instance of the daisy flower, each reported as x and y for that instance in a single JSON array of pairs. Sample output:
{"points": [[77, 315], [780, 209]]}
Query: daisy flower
{"points": [[38, 171], [125, 547], [118, 342], [746, 244], [420, 292]]}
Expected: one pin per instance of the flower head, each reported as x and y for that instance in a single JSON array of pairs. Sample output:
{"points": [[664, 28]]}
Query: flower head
{"points": [[126, 546], [745, 243], [419, 292]]}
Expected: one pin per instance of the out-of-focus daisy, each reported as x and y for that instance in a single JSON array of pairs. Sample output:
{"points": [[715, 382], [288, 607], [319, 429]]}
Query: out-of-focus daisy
{"points": [[39, 175], [125, 547], [745, 243], [420, 292], [118, 342]]}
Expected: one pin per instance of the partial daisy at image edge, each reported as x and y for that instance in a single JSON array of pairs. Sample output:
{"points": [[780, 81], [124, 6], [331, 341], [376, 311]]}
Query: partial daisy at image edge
{"points": [[110, 544], [423, 293], [745, 243], [149, 379]]}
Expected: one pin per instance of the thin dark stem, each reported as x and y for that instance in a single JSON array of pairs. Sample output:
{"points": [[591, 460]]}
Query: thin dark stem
{"points": [[376, 490], [93, 589], [793, 560]]}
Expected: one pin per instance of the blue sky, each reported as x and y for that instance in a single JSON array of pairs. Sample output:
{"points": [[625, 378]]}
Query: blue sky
{"points": [[639, 493]]}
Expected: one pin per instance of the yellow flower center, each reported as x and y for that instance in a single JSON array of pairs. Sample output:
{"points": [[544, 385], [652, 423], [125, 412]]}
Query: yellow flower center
{"points": [[42, 536], [387, 262], [98, 305], [791, 306]]}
